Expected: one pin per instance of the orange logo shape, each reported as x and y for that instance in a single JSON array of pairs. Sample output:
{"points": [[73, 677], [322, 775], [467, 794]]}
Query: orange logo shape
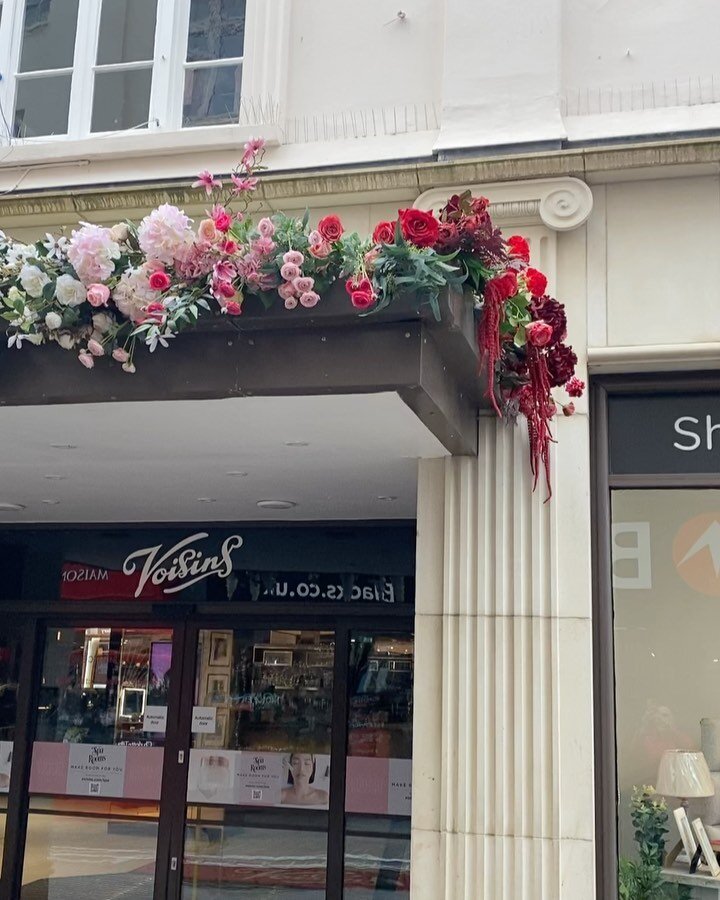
{"points": [[696, 553]]}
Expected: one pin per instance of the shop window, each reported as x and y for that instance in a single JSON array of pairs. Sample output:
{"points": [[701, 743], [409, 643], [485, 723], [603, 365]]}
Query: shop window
{"points": [[121, 65], [10, 647]]}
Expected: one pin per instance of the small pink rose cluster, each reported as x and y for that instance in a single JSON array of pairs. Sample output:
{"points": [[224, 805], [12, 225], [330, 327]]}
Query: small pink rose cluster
{"points": [[296, 287]]}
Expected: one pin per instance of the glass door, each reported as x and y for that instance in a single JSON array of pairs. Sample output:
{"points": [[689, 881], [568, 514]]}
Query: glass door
{"points": [[97, 763], [258, 788]]}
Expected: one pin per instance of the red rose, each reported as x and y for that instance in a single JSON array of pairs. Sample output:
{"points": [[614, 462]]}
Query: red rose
{"points": [[233, 308], [539, 333], [330, 228], [448, 237], [501, 287], [536, 282], [384, 233], [223, 289], [223, 221], [159, 281], [361, 292], [519, 247], [419, 227]]}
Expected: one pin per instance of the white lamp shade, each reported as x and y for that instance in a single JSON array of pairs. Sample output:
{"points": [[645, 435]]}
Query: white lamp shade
{"points": [[684, 774]]}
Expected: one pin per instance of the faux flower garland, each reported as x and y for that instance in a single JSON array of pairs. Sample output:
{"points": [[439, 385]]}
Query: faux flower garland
{"points": [[110, 291]]}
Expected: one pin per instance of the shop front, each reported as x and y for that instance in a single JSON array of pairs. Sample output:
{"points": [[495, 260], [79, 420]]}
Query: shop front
{"points": [[207, 711]]}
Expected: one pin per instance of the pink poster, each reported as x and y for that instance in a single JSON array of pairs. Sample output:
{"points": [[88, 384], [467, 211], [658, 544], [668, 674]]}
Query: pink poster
{"points": [[378, 786], [96, 770]]}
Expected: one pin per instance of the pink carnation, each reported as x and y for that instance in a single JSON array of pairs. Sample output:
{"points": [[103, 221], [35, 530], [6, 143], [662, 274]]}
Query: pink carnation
{"points": [[92, 253], [164, 233]]}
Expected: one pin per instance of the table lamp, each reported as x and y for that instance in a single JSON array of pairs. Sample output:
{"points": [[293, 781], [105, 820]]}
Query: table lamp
{"points": [[683, 774]]}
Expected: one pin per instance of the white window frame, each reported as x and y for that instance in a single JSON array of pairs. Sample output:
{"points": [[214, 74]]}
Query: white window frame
{"points": [[264, 77]]}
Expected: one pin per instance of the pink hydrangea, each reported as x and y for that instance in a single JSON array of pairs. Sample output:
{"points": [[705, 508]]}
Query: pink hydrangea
{"points": [[195, 260], [164, 233], [92, 253]]}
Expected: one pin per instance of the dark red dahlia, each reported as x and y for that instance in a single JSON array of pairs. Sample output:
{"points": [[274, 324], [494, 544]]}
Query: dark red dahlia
{"points": [[448, 238], [561, 362], [553, 313]]}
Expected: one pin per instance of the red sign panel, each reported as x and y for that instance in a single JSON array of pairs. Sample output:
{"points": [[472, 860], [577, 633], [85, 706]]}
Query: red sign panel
{"points": [[84, 582]]}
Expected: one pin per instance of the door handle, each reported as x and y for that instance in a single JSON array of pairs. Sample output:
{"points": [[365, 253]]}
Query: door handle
{"points": [[173, 864], [181, 757]]}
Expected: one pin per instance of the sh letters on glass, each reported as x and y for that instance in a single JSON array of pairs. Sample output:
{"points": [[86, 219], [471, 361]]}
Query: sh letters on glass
{"points": [[665, 434]]}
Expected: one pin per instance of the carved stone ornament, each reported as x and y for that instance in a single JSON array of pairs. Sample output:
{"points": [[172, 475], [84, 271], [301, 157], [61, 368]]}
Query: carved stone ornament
{"points": [[561, 204]]}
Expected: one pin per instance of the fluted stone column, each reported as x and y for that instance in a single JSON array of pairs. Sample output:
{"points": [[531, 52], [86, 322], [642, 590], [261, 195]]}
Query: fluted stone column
{"points": [[503, 771]]}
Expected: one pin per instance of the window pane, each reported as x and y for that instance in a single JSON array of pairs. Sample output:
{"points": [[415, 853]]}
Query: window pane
{"points": [[127, 31], [379, 767], [217, 29], [121, 99], [48, 35], [97, 856], [212, 96], [42, 106], [666, 592]]}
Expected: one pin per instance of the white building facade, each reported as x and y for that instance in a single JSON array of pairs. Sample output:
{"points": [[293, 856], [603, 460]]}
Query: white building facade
{"points": [[592, 129]]}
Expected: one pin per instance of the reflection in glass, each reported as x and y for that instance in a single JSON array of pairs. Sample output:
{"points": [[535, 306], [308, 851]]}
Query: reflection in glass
{"points": [[121, 99], [98, 682], [127, 31], [379, 766], [48, 40], [666, 594], [217, 29], [42, 106], [103, 855], [212, 95]]}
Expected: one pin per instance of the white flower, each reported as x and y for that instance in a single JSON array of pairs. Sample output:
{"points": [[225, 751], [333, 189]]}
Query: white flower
{"points": [[16, 340], [154, 338], [69, 291], [120, 232], [14, 294], [18, 253], [66, 340], [53, 321], [56, 247], [33, 280], [103, 322]]}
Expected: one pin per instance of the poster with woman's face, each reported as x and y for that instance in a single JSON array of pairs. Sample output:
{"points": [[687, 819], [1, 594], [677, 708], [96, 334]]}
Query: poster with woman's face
{"points": [[308, 781]]}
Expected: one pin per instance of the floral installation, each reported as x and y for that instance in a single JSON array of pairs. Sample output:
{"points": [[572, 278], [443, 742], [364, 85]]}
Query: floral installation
{"points": [[108, 292]]}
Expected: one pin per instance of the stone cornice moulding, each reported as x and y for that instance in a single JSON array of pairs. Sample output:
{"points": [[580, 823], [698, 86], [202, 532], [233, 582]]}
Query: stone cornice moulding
{"points": [[562, 204]]}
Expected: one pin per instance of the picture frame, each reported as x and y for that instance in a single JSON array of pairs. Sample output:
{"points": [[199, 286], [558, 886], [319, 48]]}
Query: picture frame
{"points": [[706, 847], [220, 650], [132, 703], [217, 741], [217, 688], [686, 835]]}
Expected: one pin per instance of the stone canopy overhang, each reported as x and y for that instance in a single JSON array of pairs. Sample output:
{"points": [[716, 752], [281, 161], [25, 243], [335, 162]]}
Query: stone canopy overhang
{"points": [[432, 365]]}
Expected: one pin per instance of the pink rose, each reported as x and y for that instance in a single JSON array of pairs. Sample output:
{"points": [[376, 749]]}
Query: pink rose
{"points": [[539, 333], [98, 294], [293, 257], [120, 355], [264, 245], [223, 289], [309, 299], [320, 251], [286, 291], [230, 247], [290, 302], [315, 238], [95, 347], [129, 368], [159, 281], [86, 359], [233, 308], [207, 230], [303, 284], [266, 227], [290, 271]]}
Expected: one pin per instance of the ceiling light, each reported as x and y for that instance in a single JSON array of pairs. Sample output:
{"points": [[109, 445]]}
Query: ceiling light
{"points": [[387, 498], [50, 502], [11, 507], [55, 477], [297, 444], [276, 504], [64, 446], [206, 500], [237, 474]]}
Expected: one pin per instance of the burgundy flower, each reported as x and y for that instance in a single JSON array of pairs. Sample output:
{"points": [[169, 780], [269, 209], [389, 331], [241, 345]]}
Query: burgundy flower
{"points": [[519, 247], [448, 237], [575, 387], [561, 362], [553, 313]]}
